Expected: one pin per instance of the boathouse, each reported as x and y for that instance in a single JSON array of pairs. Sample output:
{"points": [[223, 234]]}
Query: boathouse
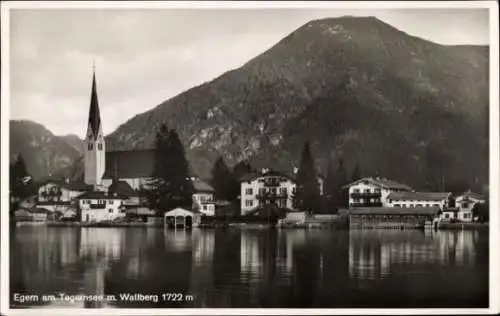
{"points": [[181, 217], [391, 217]]}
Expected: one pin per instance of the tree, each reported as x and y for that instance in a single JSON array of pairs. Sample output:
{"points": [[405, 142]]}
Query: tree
{"points": [[21, 184], [170, 185], [225, 185], [481, 211], [330, 191], [342, 180], [241, 168], [356, 173], [307, 195]]}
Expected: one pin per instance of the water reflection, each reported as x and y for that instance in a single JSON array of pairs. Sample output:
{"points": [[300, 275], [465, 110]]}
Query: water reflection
{"points": [[253, 267]]}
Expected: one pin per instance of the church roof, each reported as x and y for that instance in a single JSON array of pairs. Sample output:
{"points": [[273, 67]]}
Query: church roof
{"points": [[122, 188], [127, 164], [94, 115]]}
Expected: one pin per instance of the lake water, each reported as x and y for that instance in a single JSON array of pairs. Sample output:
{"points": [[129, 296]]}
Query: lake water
{"points": [[248, 268]]}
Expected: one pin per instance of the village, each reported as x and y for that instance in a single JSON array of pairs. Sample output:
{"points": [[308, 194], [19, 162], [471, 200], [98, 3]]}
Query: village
{"points": [[111, 193]]}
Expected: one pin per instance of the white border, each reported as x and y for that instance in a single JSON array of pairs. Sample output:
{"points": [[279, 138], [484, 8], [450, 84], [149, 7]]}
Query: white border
{"points": [[494, 149]]}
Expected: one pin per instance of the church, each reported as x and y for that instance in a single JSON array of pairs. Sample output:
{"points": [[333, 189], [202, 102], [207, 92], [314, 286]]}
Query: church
{"points": [[112, 180]]}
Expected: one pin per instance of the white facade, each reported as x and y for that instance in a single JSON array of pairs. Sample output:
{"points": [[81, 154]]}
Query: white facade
{"points": [[465, 204], [98, 210], [253, 192], [204, 202], [53, 192]]}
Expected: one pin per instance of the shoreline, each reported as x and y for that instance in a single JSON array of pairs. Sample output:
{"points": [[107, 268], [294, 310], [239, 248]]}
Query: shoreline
{"points": [[333, 226]]}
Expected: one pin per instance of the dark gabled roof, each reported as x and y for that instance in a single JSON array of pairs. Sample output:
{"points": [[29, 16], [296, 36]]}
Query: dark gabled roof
{"points": [[394, 211], [129, 164], [418, 196], [94, 115], [122, 188], [381, 182], [202, 186], [97, 195], [39, 210]]}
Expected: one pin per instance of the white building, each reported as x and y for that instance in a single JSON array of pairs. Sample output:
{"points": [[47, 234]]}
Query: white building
{"points": [[269, 187], [203, 198], [465, 204], [373, 191], [418, 199], [98, 206]]}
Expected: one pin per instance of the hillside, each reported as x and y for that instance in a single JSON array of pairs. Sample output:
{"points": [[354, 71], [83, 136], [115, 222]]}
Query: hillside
{"points": [[360, 89], [45, 154]]}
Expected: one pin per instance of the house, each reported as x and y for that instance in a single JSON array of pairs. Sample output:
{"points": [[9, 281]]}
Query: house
{"points": [[182, 217], [465, 203], [419, 199], [267, 187], [203, 197], [39, 214], [373, 192], [391, 217], [59, 195], [97, 206]]}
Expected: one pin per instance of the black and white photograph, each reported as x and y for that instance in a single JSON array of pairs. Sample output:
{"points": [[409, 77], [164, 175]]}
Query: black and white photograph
{"points": [[249, 157]]}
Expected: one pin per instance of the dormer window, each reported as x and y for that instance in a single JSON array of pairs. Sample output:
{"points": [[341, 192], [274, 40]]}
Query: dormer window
{"points": [[90, 146]]}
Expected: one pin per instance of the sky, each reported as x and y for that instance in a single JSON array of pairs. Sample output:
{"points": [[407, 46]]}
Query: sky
{"points": [[144, 57]]}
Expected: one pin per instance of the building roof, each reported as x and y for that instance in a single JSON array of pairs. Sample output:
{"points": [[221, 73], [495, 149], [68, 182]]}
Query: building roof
{"points": [[271, 173], [128, 164], [381, 182], [94, 115], [98, 195], [418, 196], [394, 211], [472, 195], [202, 186], [122, 188], [39, 210]]}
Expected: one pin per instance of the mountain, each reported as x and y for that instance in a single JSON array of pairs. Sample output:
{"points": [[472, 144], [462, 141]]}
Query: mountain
{"points": [[75, 141], [45, 154], [359, 89]]}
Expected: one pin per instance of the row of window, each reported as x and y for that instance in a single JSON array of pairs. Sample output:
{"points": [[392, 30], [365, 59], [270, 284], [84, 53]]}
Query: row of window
{"points": [[376, 190], [359, 200], [249, 191], [417, 205], [98, 202], [90, 146]]}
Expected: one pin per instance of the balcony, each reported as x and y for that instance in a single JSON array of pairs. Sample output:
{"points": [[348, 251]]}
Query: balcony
{"points": [[271, 196], [366, 195]]}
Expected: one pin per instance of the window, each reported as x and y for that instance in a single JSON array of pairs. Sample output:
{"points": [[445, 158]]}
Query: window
{"points": [[377, 190], [99, 146], [446, 215], [283, 190], [396, 205], [367, 190], [249, 191], [90, 146], [111, 210], [204, 207], [248, 203], [465, 205], [356, 190]]}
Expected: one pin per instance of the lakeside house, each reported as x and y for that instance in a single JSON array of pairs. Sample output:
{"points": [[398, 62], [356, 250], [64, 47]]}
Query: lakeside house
{"points": [[465, 203], [95, 206], [203, 198], [391, 217], [419, 199], [370, 191], [268, 187]]}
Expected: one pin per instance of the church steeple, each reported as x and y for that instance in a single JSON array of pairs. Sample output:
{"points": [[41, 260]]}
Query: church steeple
{"points": [[94, 115], [95, 153]]}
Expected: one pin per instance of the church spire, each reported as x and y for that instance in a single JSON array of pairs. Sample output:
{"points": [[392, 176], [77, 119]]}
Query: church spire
{"points": [[94, 115]]}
